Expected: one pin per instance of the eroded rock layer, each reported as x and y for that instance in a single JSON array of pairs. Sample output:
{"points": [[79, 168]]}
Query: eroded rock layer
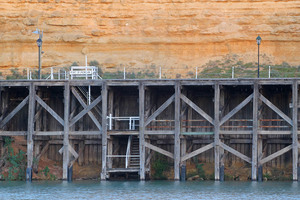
{"points": [[178, 35]]}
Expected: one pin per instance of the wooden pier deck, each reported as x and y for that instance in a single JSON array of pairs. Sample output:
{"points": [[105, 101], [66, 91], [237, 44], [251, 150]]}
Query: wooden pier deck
{"points": [[216, 113]]}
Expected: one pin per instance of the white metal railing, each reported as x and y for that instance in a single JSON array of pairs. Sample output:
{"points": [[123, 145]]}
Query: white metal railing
{"points": [[132, 121], [128, 152], [87, 72]]}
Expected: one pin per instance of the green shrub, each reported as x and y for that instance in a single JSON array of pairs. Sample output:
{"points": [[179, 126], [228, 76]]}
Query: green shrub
{"points": [[160, 165]]}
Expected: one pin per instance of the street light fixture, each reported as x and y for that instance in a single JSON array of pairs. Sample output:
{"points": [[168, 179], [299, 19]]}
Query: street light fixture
{"points": [[39, 44], [258, 41]]}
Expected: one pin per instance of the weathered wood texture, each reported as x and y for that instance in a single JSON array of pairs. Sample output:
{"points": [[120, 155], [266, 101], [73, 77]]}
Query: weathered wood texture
{"points": [[203, 118]]}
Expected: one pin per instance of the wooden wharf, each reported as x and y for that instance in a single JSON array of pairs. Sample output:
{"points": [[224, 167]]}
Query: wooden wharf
{"points": [[255, 120]]}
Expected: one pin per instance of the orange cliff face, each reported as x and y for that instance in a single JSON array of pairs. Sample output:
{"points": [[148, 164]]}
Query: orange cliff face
{"points": [[178, 35]]}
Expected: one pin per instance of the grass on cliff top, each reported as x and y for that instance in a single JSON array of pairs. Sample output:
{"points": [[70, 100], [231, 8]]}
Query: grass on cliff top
{"points": [[218, 69]]}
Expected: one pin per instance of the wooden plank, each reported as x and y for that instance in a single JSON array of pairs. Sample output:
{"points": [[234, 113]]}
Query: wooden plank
{"points": [[177, 131], [160, 109], [240, 141], [159, 150], [49, 110], [276, 154], [31, 111], [255, 133], [83, 104], [275, 109], [197, 152], [104, 130], [13, 133], [159, 132], [85, 110], [236, 109], [196, 108], [66, 156], [85, 133], [274, 132], [14, 112], [142, 130], [235, 132], [217, 131], [48, 133], [295, 130], [235, 152]]}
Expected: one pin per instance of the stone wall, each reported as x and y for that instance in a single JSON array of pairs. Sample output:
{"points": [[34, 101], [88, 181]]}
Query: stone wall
{"points": [[177, 35]]}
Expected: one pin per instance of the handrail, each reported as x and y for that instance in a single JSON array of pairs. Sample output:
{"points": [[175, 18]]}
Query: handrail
{"points": [[128, 152]]}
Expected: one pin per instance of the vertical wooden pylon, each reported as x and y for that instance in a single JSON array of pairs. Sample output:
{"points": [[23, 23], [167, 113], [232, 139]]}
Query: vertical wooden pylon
{"points": [[295, 130], [31, 110], [142, 130], [177, 132], [254, 132], [66, 157], [222, 153], [104, 130], [217, 131]]}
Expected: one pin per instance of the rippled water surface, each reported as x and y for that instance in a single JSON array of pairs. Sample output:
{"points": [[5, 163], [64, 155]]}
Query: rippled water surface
{"points": [[149, 190]]}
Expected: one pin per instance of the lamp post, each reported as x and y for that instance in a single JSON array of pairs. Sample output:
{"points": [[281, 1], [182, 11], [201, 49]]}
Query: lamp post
{"points": [[39, 43], [258, 41]]}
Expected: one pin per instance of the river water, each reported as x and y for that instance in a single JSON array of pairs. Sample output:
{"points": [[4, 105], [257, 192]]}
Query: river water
{"points": [[149, 190]]}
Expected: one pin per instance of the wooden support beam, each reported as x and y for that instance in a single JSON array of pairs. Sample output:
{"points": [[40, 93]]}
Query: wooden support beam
{"points": [[49, 110], [31, 111], [159, 133], [160, 109], [177, 131], [48, 133], [275, 109], [255, 133], [235, 132], [13, 113], [197, 152], [196, 108], [235, 152], [66, 156], [295, 130], [85, 110], [104, 130], [83, 104], [142, 130], [13, 133], [276, 154], [159, 150], [217, 130], [236, 109]]}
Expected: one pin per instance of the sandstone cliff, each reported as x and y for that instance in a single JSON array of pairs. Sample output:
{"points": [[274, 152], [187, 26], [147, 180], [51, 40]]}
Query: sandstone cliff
{"points": [[178, 35]]}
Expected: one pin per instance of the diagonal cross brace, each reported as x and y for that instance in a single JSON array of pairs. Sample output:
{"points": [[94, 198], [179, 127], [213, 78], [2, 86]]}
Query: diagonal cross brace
{"points": [[235, 152], [236, 109], [50, 110], [14, 112], [277, 110], [197, 109], [92, 116], [197, 152], [85, 110], [159, 150], [160, 109]]}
